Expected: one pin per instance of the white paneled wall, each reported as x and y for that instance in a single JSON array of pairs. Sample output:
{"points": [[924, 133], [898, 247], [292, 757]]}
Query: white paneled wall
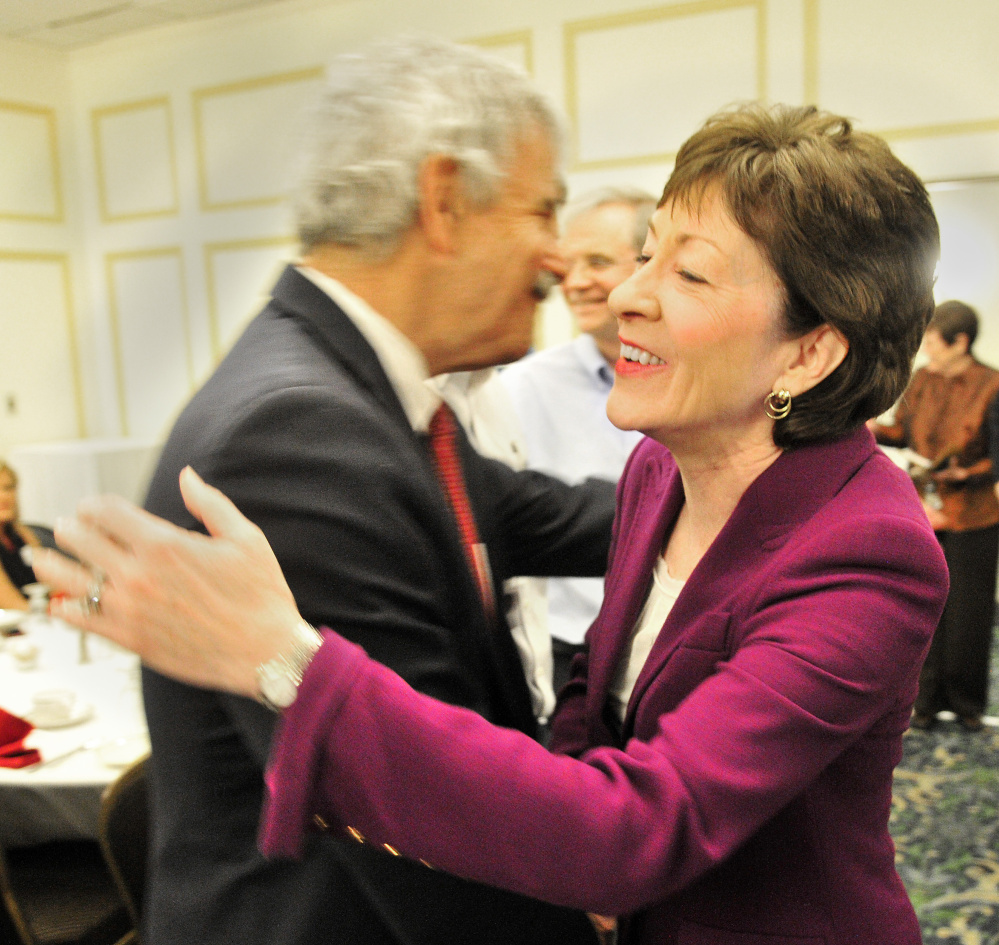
{"points": [[615, 61], [152, 340], [240, 274], [38, 351], [143, 182]]}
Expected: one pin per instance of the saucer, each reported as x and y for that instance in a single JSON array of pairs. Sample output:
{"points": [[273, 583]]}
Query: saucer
{"points": [[120, 752], [81, 713]]}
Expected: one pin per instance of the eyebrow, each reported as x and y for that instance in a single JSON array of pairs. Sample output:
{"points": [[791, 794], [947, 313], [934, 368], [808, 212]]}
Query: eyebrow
{"points": [[683, 238]]}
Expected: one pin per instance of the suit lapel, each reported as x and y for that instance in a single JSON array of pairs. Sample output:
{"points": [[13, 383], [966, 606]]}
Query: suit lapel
{"points": [[335, 332]]}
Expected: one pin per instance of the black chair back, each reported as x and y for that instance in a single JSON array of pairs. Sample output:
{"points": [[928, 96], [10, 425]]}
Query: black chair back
{"points": [[61, 893], [124, 835]]}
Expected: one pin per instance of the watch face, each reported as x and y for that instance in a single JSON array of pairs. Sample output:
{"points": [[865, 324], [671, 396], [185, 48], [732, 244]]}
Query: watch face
{"points": [[278, 679], [277, 686]]}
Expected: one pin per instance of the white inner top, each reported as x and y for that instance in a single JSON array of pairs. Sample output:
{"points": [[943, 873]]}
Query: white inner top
{"points": [[662, 596]]}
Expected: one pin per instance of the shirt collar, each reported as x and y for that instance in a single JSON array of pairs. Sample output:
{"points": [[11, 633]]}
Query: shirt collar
{"points": [[401, 360], [592, 360], [460, 389]]}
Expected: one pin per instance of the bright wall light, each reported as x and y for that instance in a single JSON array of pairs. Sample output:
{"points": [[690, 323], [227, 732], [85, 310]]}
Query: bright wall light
{"points": [[968, 214]]}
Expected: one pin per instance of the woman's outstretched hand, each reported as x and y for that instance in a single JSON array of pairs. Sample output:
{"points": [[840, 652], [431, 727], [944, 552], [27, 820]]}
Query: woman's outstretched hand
{"points": [[204, 609]]}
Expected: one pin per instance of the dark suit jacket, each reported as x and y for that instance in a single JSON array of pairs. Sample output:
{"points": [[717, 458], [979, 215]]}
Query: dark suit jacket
{"points": [[746, 801], [302, 429]]}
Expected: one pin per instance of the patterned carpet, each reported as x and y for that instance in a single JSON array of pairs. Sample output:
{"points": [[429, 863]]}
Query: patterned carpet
{"points": [[945, 821]]}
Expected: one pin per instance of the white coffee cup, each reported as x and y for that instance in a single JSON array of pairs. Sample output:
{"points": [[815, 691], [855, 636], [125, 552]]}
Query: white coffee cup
{"points": [[53, 706], [23, 652]]}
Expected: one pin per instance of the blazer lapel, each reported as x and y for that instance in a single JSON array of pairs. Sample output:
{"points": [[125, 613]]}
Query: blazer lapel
{"points": [[637, 545], [787, 493]]}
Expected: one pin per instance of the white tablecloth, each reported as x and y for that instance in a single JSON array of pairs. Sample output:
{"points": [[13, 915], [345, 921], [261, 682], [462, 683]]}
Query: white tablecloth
{"points": [[62, 800]]}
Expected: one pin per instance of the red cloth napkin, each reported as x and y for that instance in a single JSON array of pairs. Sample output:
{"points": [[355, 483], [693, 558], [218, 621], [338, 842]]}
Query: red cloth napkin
{"points": [[13, 731]]}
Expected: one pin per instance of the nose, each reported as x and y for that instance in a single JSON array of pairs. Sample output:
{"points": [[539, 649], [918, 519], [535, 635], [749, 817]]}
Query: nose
{"points": [[577, 277], [552, 271], [633, 298], [554, 261]]}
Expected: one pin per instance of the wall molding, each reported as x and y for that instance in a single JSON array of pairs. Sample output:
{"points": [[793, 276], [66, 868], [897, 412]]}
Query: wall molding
{"points": [[941, 130], [523, 38], [210, 251], [572, 31], [98, 115], [200, 98], [810, 11], [111, 259], [48, 116], [72, 333]]}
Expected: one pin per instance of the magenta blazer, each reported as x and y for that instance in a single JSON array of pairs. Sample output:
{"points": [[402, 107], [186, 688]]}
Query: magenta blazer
{"points": [[746, 802]]}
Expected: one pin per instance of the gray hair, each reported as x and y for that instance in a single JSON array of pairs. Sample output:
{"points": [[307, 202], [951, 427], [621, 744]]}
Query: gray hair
{"points": [[384, 111], [642, 203]]}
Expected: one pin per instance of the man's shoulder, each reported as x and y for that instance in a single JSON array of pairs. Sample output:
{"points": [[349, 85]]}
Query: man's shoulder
{"points": [[276, 356], [278, 396]]}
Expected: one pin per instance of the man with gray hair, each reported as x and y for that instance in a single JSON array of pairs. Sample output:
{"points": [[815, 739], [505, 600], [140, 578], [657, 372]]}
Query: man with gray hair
{"points": [[426, 216], [560, 394]]}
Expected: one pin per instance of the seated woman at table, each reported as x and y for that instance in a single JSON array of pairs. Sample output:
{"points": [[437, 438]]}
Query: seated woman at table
{"points": [[14, 573], [724, 751]]}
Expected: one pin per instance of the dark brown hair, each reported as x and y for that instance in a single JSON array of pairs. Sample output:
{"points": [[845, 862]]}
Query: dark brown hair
{"points": [[953, 318], [850, 232]]}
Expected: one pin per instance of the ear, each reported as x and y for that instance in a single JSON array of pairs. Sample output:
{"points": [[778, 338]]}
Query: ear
{"points": [[816, 355], [442, 202]]}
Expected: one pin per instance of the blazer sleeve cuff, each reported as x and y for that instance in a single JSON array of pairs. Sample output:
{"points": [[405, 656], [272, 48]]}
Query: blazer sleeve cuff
{"points": [[291, 803]]}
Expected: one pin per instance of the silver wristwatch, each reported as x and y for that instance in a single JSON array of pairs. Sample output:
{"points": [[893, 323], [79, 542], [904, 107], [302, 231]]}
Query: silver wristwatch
{"points": [[278, 679]]}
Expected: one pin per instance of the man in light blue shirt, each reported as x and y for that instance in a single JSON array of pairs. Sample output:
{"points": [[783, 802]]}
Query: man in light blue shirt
{"points": [[560, 393]]}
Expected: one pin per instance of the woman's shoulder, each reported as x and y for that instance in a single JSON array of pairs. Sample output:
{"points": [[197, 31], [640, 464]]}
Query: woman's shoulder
{"points": [[878, 513], [833, 492]]}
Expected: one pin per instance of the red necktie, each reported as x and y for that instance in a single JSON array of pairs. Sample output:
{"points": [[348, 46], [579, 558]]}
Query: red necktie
{"points": [[444, 444]]}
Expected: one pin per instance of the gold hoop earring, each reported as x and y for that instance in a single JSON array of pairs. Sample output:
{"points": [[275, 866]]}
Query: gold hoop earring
{"points": [[777, 404]]}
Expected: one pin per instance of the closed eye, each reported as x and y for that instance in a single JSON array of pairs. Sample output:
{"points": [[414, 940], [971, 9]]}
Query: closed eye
{"points": [[689, 276]]}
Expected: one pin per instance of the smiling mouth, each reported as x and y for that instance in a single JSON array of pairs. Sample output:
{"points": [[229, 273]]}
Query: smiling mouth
{"points": [[637, 355]]}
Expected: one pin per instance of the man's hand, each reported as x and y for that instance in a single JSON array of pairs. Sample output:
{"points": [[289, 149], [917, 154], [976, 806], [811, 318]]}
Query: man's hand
{"points": [[203, 609]]}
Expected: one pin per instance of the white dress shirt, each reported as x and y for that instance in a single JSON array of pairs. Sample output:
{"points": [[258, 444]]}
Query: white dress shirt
{"points": [[560, 395]]}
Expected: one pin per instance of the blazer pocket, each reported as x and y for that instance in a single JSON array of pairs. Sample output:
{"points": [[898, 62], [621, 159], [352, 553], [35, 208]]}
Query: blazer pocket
{"points": [[709, 633], [690, 933]]}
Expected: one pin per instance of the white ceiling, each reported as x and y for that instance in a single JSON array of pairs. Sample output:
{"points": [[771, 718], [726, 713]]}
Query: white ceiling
{"points": [[72, 23]]}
